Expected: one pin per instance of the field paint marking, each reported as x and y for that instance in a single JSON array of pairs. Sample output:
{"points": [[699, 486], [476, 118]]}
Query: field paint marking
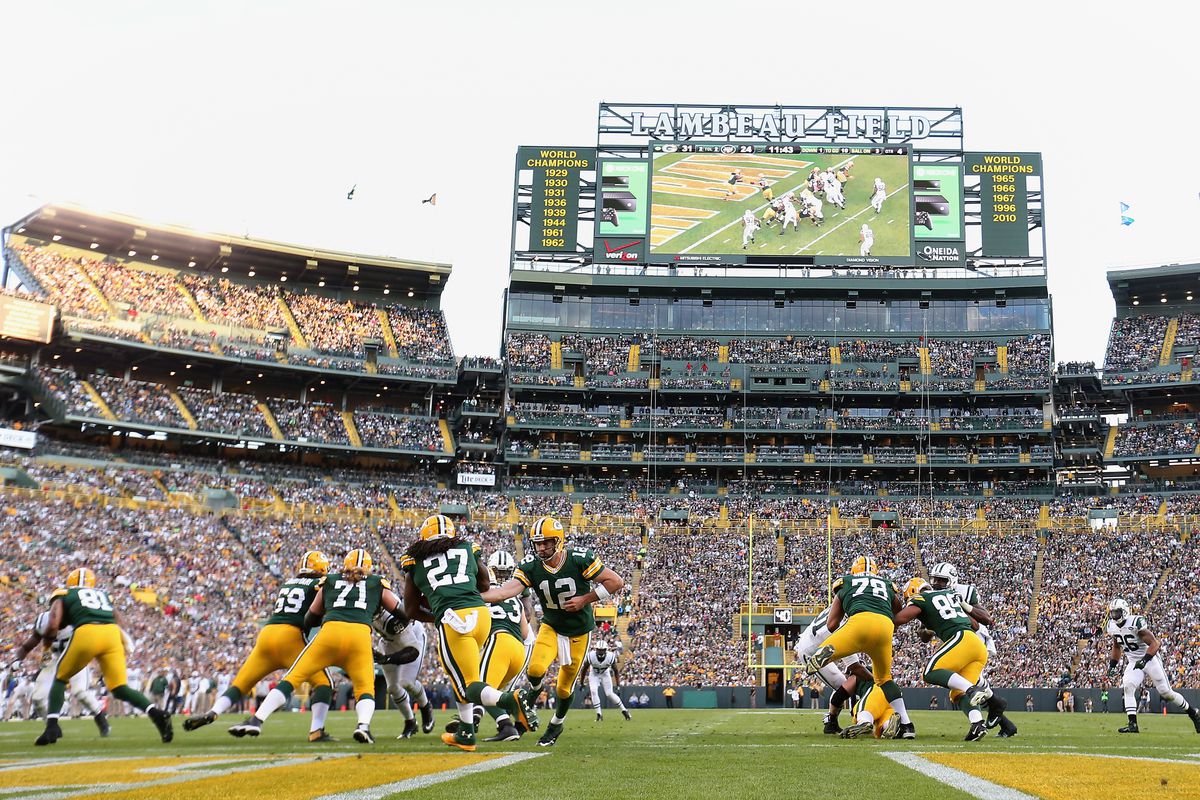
{"points": [[843, 222], [423, 781], [737, 220], [957, 779]]}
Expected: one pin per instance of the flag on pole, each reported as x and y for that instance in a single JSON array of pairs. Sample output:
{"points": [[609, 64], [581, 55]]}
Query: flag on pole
{"points": [[432, 200], [1126, 220], [350, 194]]}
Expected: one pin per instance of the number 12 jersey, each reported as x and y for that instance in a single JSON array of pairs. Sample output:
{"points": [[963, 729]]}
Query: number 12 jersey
{"points": [[555, 586]]}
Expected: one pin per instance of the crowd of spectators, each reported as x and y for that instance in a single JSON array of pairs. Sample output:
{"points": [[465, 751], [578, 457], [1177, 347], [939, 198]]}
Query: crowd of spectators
{"points": [[309, 422], [421, 334], [1135, 343], [399, 432], [1172, 438]]}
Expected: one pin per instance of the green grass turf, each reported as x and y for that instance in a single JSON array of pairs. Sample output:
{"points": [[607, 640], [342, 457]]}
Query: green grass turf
{"points": [[839, 234], [678, 754]]}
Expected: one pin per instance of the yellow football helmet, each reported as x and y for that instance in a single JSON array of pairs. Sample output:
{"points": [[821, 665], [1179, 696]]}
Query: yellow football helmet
{"points": [[314, 562], [438, 526], [915, 587], [358, 559], [81, 578], [864, 565], [544, 530]]}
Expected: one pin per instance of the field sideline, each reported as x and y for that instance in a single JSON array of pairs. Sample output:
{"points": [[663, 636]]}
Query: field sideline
{"points": [[679, 754]]}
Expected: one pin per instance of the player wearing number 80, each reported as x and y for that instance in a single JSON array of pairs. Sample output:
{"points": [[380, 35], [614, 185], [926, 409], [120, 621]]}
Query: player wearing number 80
{"points": [[870, 603], [344, 605], [561, 579], [278, 645]]}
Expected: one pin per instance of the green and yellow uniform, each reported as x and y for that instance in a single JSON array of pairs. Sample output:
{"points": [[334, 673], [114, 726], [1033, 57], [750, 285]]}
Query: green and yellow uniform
{"points": [[345, 636], [869, 627], [449, 582], [96, 636], [962, 650], [504, 657], [869, 697], [281, 640], [562, 632]]}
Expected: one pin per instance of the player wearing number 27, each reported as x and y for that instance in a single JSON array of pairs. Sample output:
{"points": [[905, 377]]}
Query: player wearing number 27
{"points": [[561, 578], [344, 605], [870, 603], [278, 645]]}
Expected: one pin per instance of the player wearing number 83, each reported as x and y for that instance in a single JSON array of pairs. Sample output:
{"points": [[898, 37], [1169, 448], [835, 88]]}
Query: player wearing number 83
{"points": [[344, 605], [869, 603]]}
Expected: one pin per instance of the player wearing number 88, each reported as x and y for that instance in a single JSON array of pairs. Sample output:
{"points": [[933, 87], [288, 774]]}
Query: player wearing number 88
{"points": [[869, 603], [444, 576], [344, 606], [97, 637], [277, 647], [560, 578]]}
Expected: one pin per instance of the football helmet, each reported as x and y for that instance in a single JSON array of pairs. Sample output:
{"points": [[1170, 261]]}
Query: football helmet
{"points": [[438, 526], [915, 587], [547, 529], [1118, 610], [864, 565], [943, 571], [502, 565], [314, 562], [358, 559], [81, 578], [601, 649]]}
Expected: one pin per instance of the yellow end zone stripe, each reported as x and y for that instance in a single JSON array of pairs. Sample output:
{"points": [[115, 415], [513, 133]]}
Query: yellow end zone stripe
{"points": [[1095, 777]]}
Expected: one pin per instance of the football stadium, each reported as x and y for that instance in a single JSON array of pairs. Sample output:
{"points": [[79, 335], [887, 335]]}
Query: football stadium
{"points": [[773, 484]]}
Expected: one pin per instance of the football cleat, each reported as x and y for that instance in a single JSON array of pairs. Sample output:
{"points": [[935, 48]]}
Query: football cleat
{"points": [[599, 717], [251, 727], [199, 721], [410, 729], [1130, 728], [507, 733], [1007, 728], [319, 735], [463, 741], [553, 731], [978, 695], [514, 704], [831, 726], [996, 706], [890, 728], [50, 735], [1194, 715], [362, 734], [907, 731], [102, 724], [426, 718], [452, 725], [477, 715], [819, 659], [858, 729], [438, 526], [625, 713], [976, 732], [162, 721]]}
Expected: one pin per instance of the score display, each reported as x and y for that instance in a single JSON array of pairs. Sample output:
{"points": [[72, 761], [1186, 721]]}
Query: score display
{"points": [[26, 319], [780, 203], [554, 203]]}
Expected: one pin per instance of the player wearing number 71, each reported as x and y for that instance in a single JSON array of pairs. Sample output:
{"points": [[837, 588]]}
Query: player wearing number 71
{"points": [[560, 577]]}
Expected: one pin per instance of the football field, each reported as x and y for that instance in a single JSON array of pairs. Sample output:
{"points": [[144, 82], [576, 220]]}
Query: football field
{"points": [[695, 211], [707, 755]]}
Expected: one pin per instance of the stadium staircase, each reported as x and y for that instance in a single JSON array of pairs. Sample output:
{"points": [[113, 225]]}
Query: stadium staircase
{"points": [[723, 354], [635, 358], [237, 536], [91, 284], [105, 411], [781, 591], [1002, 358], [1164, 358], [1158, 587], [835, 355], [162, 487], [1110, 444], [276, 432], [447, 439], [1077, 659], [1039, 566], [190, 298], [924, 573], [576, 514], [389, 336], [184, 411], [556, 361], [393, 505], [926, 364], [351, 428], [292, 325], [382, 548]]}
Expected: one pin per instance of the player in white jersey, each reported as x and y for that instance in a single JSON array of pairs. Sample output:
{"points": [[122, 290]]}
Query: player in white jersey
{"points": [[835, 674], [1132, 637], [833, 192], [403, 653], [601, 668], [866, 240], [78, 688], [749, 227], [879, 195]]}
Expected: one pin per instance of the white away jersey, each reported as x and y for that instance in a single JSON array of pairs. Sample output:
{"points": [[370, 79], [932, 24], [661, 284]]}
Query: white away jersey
{"points": [[64, 634], [601, 665], [968, 593], [1126, 634]]}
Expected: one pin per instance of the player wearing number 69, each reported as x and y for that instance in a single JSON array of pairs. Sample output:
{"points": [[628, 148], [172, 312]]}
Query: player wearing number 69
{"points": [[277, 647], [446, 573], [560, 577], [344, 605], [869, 603]]}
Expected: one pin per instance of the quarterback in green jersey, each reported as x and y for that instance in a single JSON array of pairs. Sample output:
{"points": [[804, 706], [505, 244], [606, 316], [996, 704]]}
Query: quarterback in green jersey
{"points": [[566, 583]]}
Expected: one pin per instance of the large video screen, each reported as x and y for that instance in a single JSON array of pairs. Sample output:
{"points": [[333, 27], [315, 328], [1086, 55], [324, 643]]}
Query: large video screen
{"points": [[783, 203]]}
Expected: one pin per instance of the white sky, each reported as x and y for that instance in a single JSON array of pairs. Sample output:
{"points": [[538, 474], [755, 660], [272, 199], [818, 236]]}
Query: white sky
{"points": [[257, 117]]}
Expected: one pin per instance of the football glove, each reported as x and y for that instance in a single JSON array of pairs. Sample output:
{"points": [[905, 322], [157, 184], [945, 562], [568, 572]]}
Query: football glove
{"points": [[404, 655], [1141, 662], [1112, 666]]}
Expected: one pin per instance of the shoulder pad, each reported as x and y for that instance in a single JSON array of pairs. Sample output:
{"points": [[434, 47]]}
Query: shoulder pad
{"points": [[475, 548], [1139, 624], [58, 593], [837, 584], [407, 562], [385, 583], [321, 581]]}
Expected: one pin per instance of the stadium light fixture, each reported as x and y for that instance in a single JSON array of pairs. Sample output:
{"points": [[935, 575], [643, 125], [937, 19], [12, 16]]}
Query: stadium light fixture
{"points": [[1137, 302], [321, 284], [56, 237], [356, 287], [1163, 300], [172, 372], [193, 264], [94, 245], [132, 253], [1189, 297], [154, 256], [224, 269], [250, 274], [283, 278], [20, 230], [410, 292]]}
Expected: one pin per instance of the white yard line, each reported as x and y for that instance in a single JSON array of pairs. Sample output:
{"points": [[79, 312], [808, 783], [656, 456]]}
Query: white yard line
{"points": [[423, 781], [957, 779]]}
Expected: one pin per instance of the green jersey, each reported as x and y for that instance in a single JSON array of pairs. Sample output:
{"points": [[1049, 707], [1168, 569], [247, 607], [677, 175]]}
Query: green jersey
{"points": [[861, 593], [85, 606], [293, 601], [352, 601], [555, 586], [448, 579], [506, 615], [941, 614]]}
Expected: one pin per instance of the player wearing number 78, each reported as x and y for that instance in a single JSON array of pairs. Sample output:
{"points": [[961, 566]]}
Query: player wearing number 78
{"points": [[560, 577], [344, 605]]}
